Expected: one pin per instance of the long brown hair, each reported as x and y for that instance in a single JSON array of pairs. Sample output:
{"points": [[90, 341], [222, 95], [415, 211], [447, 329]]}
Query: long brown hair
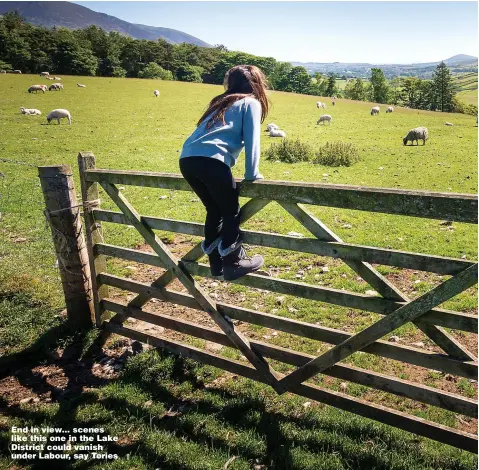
{"points": [[240, 81]]}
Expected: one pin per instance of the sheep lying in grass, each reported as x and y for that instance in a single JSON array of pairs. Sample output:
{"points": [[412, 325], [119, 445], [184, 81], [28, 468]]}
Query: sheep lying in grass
{"points": [[375, 110], [389, 109], [156, 93], [59, 114], [449, 124], [55, 86], [79, 85], [30, 111], [37, 88], [325, 118], [417, 134], [58, 78], [271, 126], [277, 133], [48, 78]]}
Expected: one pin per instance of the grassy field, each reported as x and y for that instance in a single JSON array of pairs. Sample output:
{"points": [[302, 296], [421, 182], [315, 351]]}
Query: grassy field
{"points": [[466, 87], [126, 127]]}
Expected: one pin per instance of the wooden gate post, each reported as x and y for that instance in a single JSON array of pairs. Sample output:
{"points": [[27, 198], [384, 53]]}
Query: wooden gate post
{"points": [[63, 216]]}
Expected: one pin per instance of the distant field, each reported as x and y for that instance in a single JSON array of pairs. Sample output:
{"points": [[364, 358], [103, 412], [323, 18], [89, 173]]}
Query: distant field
{"points": [[466, 87], [126, 127]]}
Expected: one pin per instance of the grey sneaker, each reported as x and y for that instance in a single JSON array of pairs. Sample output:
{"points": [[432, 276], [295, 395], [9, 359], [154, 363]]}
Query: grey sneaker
{"points": [[237, 264]]}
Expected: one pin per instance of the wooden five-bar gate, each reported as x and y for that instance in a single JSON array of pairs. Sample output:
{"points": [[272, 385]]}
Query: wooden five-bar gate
{"points": [[397, 309]]}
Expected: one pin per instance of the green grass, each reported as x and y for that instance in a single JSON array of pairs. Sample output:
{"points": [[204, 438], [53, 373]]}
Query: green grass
{"points": [[128, 128], [466, 87]]}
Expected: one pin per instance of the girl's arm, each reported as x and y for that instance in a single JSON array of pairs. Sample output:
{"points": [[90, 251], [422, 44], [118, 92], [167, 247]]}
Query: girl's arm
{"points": [[251, 137]]}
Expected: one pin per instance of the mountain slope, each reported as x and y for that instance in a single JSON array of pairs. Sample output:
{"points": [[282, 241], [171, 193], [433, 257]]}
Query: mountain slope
{"points": [[72, 16]]}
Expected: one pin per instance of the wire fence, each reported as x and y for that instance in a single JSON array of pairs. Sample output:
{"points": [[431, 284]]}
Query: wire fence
{"points": [[27, 254]]}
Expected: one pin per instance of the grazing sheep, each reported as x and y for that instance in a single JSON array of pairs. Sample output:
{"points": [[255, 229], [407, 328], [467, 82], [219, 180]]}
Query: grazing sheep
{"points": [[333, 103], [36, 88], [277, 133], [59, 114], [389, 109], [79, 85], [57, 78], [320, 105], [55, 86], [3, 71], [156, 93], [375, 110], [417, 134], [449, 124], [325, 118], [30, 111], [44, 74], [17, 71]]}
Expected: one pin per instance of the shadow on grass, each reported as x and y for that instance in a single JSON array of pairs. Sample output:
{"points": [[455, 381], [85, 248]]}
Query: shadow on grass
{"points": [[205, 412]]}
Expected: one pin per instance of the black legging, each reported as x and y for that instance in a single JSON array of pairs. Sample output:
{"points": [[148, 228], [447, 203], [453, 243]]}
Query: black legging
{"points": [[214, 184]]}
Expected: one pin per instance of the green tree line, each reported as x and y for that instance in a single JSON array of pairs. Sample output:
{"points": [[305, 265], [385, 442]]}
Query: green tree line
{"points": [[436, 94], [93, 51]]}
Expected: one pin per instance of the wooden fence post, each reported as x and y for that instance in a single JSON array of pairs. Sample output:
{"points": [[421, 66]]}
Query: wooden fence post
{"points": [[63, 215], [90, 196]]}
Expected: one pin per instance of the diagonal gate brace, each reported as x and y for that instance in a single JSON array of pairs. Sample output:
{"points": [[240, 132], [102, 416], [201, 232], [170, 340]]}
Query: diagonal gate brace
{"points": [[190, 284], [386, 325], [437, 334]]}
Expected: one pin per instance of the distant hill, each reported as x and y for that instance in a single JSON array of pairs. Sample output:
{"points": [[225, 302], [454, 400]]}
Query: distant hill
{"points": [[458, 64], [72, 16], [461, 59]]}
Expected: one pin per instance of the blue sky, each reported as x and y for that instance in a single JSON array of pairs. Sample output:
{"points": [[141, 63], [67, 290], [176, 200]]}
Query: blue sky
{"points": [[376, 32]]}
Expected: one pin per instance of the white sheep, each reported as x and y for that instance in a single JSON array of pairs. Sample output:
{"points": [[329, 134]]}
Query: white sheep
{"points": [[55, 86], [277, 133], [48, 78], [375, 110], [449, 124], [57, 78], [389, 109], [417, 134], [321, 105], [30, 111], [271, 126], [17, 71], [3, 71], [156, 93], [325, 118], [44, 74], [36, 88], [59, 114], [79, 85]]}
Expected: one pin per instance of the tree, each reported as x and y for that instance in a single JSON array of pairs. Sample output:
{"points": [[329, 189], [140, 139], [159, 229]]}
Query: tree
{"points": [[442, 87], [278, 79], [221, 48], [410, 91], [153, 70], [331, 89], [299, 80], [355, 90], [189, 73], [379, 85]]}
